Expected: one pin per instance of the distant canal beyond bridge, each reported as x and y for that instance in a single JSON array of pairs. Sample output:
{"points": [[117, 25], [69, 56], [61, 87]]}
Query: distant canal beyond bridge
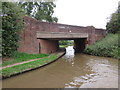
{"points": [[70, 71]]}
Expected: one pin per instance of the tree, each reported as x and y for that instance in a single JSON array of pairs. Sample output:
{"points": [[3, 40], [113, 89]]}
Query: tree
{"points": [[42, 11], [0, 30], [113, 26], [12, 22]]}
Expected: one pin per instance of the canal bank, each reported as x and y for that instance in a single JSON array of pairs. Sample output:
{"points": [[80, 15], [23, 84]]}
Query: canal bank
{"points": [[106, 47], [70, 71], [47, 60]]}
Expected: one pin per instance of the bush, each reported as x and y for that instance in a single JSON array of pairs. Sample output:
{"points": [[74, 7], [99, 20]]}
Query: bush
{"points": [[108, 46], [12, 22], [65, 42]]}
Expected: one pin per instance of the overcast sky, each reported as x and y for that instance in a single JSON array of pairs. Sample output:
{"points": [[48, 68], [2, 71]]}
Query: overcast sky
{"points": [[85, 12]]}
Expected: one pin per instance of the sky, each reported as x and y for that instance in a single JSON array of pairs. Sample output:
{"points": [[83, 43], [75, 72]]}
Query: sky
{"points": [[85, 12]]}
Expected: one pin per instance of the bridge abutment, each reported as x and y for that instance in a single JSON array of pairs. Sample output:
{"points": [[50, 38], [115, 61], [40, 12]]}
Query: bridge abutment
{"points": [[79, 45], [48, 46]]}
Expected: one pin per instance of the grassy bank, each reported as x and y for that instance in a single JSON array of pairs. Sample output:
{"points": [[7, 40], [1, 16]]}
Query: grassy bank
{"points": [[6, 72], [20, 57], [108, 46]]}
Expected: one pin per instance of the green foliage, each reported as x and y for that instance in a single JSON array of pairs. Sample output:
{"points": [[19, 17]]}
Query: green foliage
{"points": [[65, 42], [12, 22], [26, 66], [108, 46], [0, 30], [42, 11], [20, 57], [63, 46], [113, 26], [0, 43]]}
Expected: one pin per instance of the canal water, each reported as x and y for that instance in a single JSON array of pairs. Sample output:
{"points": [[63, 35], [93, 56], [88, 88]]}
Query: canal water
{"points": [[70, 71]]}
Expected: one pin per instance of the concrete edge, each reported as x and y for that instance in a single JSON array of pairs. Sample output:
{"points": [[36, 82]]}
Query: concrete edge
{"points": [[63, 53]]}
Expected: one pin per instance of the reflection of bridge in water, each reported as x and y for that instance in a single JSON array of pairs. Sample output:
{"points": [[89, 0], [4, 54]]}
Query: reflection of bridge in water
{"points": [[43, 37]]}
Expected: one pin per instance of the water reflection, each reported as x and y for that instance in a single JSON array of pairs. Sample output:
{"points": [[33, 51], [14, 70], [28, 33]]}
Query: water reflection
{"points": [[69, 56], [104, 73], [70, 71]]}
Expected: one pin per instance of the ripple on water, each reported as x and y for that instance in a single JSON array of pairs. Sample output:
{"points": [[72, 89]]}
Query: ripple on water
{"points": [[70, 71]]}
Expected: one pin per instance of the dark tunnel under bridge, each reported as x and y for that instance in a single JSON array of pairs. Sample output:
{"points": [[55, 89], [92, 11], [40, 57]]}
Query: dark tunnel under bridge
{"points": [[49, 41]]}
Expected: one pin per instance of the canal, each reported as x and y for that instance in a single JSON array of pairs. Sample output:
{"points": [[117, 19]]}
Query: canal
{"points": [[70, 71]]}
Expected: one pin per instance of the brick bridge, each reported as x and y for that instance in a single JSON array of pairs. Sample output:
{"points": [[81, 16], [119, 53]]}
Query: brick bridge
{"points": [[43, 37]]}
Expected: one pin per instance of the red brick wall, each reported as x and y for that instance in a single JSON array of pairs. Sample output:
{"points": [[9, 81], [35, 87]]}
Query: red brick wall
{"points": [[30, 44], [48, 46]]}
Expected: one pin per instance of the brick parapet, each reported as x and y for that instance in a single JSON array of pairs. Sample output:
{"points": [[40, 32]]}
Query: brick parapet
{"points": [[30, 44]]}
